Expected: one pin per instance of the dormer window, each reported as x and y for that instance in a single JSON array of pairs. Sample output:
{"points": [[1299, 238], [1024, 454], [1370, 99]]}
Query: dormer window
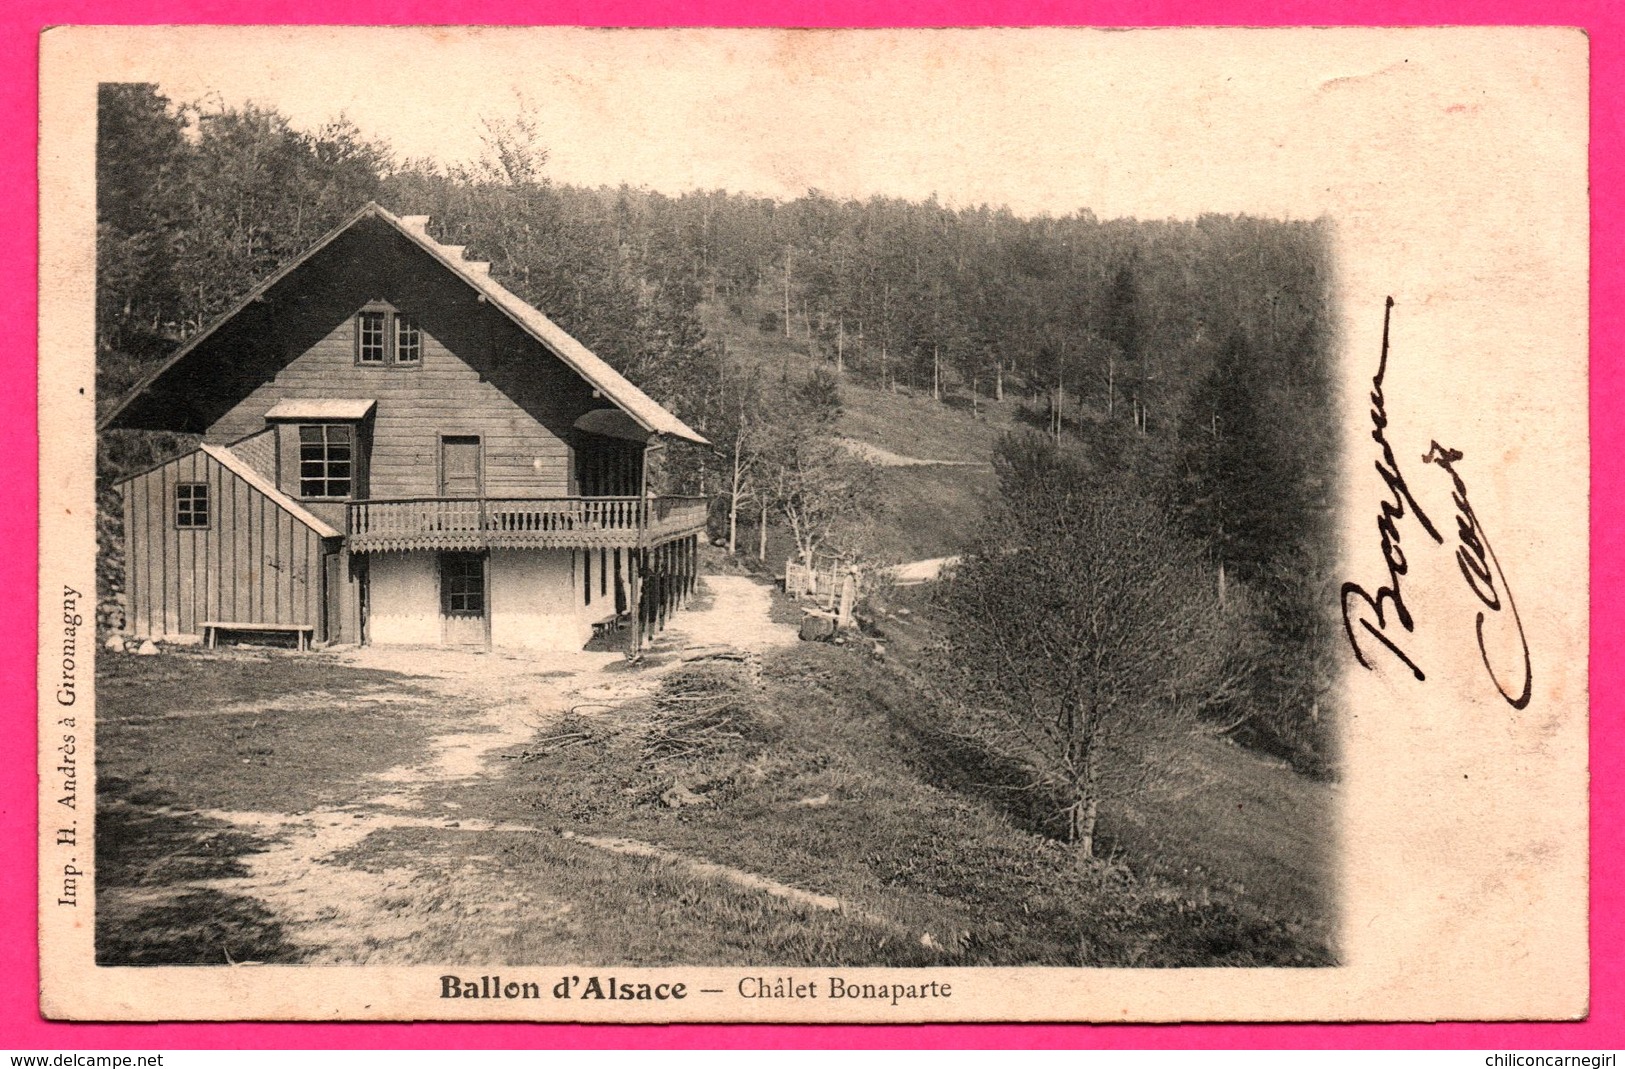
{"points": [[386, 338], [326, 460]]}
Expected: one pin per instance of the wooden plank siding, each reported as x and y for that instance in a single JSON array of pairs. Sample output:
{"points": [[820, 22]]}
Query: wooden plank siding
{"points": [[254, 563], [479, 375]]}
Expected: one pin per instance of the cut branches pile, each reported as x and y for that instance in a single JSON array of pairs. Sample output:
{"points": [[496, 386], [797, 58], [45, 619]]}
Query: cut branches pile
{"points": [[700, 709]]}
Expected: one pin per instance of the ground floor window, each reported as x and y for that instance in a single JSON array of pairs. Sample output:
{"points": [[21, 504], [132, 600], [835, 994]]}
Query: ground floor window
{"points": [[462, 584]]}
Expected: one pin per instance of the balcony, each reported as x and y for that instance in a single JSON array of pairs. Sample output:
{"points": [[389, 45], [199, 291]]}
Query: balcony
{"points": [[470, 523]]}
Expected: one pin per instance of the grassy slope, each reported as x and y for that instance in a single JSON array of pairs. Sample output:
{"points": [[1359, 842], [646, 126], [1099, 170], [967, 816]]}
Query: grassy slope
{"points": [[828, 777], [930, 512], [902, 422], [921, 512], [1258, 822], [825, 781], [924, 511], [1232, 819], [1221, 819]]}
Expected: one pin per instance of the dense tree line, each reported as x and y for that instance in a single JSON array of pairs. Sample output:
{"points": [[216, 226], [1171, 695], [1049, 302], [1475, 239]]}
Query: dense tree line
{"points": [[1186, 358]]}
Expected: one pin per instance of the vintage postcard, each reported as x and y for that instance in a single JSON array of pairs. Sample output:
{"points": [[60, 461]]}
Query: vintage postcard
{"points": [[758, 525]]}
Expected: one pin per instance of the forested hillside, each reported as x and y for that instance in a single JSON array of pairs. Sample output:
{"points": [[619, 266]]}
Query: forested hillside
{"points": [[1185, 360]]}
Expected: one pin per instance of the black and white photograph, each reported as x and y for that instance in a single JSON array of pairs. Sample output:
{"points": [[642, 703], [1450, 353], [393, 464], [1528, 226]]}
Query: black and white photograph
{"points": [[776, 525]]}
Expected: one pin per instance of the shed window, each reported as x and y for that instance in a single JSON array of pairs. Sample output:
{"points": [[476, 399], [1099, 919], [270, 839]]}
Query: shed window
{"points": [[192, 505], [372, 330], [408, 340], [326, 453]]}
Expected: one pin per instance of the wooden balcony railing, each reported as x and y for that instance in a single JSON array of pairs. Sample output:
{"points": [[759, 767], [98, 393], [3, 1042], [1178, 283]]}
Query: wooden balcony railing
{"points": [[543, 523]]}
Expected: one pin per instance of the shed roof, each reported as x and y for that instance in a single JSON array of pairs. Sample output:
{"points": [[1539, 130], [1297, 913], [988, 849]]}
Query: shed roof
{"points": [[614, 386], [241, 468], [254, 478]]}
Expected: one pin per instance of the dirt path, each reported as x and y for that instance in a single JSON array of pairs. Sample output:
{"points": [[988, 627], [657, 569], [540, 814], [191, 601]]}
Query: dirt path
{"points": [[736, 615], [885, 458], [921, 571], [347, 881]]}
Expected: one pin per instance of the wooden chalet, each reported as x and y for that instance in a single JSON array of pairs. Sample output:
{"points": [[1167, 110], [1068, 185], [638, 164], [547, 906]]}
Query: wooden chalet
{"points": [[396, 449]]}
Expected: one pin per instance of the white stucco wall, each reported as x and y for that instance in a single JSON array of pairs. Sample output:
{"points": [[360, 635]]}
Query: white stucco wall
{"points": [[535, 601], [533, 596], [403, 599]]}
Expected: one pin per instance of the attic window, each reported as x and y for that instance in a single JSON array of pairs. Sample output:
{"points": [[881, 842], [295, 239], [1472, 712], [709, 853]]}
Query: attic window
{"points": [[385, 338], [408, 340], [371, 331]]}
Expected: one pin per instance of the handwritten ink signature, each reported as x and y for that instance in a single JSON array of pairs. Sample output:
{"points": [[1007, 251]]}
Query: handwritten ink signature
{"points": [[1474, 555], [1360, 607], [1479, 566]]}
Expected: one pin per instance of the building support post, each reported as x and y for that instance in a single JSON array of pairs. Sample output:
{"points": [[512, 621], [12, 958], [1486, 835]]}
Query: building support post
{"points": [[693, 567], [639, 560], [667, 586], [634, 609], [657, 576]]}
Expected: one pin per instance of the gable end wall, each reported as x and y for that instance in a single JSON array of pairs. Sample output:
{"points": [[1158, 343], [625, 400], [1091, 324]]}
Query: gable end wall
{"points": [[480, 375], [254, 563]]}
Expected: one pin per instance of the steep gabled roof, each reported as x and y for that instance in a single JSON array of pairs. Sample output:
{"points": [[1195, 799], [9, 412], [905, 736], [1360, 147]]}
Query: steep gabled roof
{"points": [[614, 386]]}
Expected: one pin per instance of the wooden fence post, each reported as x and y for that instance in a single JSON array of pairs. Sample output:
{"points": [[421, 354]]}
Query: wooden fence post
{"points": [[849, 594]]}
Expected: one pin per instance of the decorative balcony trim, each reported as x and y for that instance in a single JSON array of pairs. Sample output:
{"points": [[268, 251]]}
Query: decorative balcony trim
{"points": [[474, 523]]}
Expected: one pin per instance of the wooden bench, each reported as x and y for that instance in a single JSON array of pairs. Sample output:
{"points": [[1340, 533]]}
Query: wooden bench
{"points": [[613, 622], [212, 629]]}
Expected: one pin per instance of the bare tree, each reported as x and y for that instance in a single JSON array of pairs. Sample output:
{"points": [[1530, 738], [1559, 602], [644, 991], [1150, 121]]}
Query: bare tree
{"points": [[803, 473], [1081, 632], [512, 149], [823, 491], [740, 436]]}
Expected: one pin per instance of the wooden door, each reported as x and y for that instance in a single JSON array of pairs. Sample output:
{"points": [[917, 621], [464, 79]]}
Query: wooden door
{"points": [[463, 599], [460, 474], [332, 603]]}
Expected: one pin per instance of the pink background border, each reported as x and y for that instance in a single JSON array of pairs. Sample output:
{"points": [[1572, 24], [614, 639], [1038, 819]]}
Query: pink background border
{"points": [[20, 23]]}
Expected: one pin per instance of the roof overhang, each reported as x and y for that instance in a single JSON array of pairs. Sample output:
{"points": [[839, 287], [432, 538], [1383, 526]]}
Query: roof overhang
{"points": [[611, 384], [332, 409], [613, 423]]}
